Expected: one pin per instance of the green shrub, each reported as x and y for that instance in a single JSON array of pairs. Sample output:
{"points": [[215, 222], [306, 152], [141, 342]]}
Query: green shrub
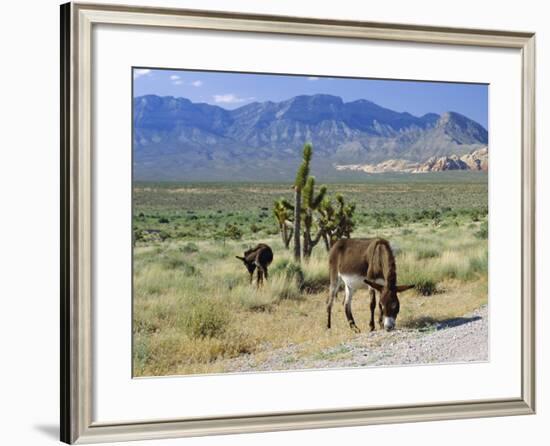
{"points": [[483, 232], [232, 232], [427, 253], [177, 263], [189, 248], [480, 265], [205, 319], [426, 287], [288, 292], [291, 271], [141, 352]]}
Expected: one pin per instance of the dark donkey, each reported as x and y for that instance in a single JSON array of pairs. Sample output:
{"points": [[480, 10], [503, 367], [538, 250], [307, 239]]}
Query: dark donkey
{"points": [[259, 257], [365, 261]]}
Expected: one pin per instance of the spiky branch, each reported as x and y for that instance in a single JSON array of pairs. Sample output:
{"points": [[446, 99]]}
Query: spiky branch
{"points": [[283, 212], [336, 220]]}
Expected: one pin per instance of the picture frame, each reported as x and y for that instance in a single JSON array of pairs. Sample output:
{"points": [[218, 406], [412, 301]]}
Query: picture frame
{"points": [[77, 233]]}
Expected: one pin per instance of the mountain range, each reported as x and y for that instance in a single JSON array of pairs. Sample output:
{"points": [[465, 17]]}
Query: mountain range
{"points": [[176, 139]]}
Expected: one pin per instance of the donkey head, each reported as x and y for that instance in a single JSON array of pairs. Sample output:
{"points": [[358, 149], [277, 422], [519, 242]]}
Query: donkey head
{"points": [[250, 264], [389, 302]]}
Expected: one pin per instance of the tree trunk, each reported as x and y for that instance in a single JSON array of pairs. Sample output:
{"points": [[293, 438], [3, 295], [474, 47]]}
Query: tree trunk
{"points": [[282, 230], [307, 234], [286, 234], [297, 219], [326, 240]]}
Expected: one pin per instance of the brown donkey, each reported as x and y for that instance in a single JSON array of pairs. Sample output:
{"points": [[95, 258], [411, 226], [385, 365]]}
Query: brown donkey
{"points": [[259, 257], [365, 262]]}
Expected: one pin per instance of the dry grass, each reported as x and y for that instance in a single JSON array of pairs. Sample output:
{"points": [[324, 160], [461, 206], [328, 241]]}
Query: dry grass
{"points": [[194, 309]]}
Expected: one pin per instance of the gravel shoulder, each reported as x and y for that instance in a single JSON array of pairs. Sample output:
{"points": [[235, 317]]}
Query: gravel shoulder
{"points": [[463, 339]]}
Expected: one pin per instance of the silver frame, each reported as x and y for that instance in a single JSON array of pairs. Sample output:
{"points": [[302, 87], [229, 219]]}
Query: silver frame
{"points": [[77, 21]]}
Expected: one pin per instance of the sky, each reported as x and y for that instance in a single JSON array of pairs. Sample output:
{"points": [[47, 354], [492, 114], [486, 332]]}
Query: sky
{"points": [[232, 90]]}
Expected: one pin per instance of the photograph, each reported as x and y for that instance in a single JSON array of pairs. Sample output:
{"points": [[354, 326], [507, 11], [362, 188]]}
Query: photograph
{"points": [[302, 221]]}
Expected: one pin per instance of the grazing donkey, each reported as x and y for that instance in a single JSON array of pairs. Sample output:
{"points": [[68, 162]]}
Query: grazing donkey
{"points": [[365, 261], [259, 257]]}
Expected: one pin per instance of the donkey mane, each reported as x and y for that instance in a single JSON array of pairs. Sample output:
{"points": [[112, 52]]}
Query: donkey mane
{"points": [[382, 262]]}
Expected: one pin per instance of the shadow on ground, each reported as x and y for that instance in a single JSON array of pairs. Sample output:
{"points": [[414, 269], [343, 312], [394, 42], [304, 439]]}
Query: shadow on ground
{"points": [[427, 322]]}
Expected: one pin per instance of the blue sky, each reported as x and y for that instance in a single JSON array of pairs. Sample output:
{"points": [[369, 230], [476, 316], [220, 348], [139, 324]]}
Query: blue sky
{"points": [[232, 90]]}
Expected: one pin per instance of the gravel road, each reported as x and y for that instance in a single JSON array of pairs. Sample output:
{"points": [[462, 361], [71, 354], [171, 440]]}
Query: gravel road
{"points": [[463, 339]]}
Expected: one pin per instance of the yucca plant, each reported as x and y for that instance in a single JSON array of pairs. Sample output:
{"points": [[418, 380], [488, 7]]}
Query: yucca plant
{"points": [[300, 182], [283, 212], [311, 203]]}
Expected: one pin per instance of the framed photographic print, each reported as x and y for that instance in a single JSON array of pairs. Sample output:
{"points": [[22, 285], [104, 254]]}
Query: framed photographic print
{"points": [[274, 223]]}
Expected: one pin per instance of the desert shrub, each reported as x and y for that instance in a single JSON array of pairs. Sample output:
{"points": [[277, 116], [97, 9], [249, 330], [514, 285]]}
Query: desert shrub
{"points": [[483, 232], [189, 248], [141, 352], [288, 292], [163, 220], [139, 235], [427, 253], [174, 262], [230, 281], [153, 355], [205, 318], [425, 287], [272, 230], [479, 264], [286, 288], [163, 235], [316, 278], [290, 270], [257, 302], [232, 232]]}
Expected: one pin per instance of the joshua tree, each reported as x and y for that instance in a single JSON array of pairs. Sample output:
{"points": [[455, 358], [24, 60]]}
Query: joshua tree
{"points": [[283, 212], [299, 183], [311, 203], [336, 221]]}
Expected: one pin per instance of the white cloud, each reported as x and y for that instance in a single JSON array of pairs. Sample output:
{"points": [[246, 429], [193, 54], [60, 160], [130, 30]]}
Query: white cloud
{"points": [[141, 72], [312, 78], [229, 98], [174, 77], [196, 83], [177, 82]]}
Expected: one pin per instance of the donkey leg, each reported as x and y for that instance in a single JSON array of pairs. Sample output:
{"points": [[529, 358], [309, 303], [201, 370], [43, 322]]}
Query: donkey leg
{"points": [[372, 308], [380, 323], [333, 291], [259, 280], [347, 308], [264, 272]]}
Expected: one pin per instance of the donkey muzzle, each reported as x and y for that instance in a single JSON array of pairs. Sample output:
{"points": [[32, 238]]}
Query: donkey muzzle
{"points": [[389, 323]]}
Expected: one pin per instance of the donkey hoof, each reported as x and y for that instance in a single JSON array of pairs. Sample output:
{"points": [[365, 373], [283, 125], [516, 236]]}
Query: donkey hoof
{"points": [[355, 328]]}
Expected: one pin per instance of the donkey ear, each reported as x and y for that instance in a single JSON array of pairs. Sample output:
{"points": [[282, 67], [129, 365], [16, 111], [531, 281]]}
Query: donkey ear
{"points": [[240, 258], [374, 285], [401, 288]]}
